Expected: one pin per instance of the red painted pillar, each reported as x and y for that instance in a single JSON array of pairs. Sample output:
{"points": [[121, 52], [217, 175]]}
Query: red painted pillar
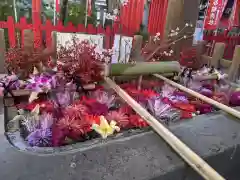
{"points": [[36, 19], [157, 16]]}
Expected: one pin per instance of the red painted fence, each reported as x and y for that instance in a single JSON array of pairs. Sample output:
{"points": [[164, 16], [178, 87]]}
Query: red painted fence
{"points": [[230, 41], [48, 27]]}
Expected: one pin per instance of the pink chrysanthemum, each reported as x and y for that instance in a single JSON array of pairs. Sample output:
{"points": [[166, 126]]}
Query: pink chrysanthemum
{"points": [[120, 117]]}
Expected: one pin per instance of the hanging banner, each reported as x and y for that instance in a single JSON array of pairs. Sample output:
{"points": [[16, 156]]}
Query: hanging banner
{"points": [[214, 14], [234, 20]]}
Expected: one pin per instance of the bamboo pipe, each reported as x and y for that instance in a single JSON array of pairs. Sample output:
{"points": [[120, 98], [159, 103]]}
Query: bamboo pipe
{"points": [[142, 68], [200, 96], [190, 157]]}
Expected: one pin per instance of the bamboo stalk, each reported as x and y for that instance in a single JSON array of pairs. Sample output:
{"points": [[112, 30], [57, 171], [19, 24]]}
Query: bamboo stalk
{"points": [[200, 96], [205, 77], [197, 163], [143, 68]]}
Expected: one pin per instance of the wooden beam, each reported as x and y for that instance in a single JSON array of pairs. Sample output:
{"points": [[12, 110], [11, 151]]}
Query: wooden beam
{"points": [[217, 54], [234, 68], [136, 48], [206, 59], [201, 48], [190, 157], [224, 63]]}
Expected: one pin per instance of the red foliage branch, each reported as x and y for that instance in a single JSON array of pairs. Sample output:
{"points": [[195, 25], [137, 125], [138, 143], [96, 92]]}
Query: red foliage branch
{"points": [[82, 60], [19, 60]]}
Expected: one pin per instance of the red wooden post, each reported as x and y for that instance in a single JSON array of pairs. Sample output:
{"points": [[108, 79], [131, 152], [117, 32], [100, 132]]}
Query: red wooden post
{"points": [[22, 26], [11, 31], [116, 28], [3, 25], [37, 32], [100, 30], [70, 28], [108, 34], [59, 27], [36, 9], [91, 29], [48, 29], [81, 28]]}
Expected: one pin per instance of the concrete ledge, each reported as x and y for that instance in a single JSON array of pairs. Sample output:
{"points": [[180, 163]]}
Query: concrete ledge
{"points": [[142, 157]]}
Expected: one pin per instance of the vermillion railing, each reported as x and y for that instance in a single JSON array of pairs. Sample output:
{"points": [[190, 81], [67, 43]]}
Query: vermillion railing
{"points": [[225, 37], [38, 28]]}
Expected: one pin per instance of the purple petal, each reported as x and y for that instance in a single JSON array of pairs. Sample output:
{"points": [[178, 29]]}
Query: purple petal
{"points": [[40, 138]]}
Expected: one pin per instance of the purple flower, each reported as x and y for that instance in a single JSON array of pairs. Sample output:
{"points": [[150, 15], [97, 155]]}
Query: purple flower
{"points": [[13, 79], [178, 98], [46, 120], [40, 138], [64, 98], [195, 85], [167, 90], [41, 83], [104, 97], [162, 111], [157, 107]]}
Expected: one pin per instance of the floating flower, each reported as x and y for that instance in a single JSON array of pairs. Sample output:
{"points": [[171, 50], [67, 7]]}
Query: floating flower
{"points": [[234, 99], [206, 92], [167, 90], [133, 91], [184, 106], [170, 115], [46, 120], [194, 85], [97, 109], [137, 121], [178, 98], [92, 119], [157, 106], [221, 97], [39, 83], [71, 125], [105, 129], [63, 98], [204, 108], [148, 93], [118, 116], [104, 98], [126, 109], [58, 136], [40, 138], [76, 111], [187, 115], [9, 82], [31, 120]]}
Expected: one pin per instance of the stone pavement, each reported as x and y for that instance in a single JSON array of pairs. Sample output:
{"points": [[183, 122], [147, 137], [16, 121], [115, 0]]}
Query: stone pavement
{"points": [[141, 157]]}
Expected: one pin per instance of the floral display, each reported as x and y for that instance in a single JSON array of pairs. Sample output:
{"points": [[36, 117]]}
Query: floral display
{"points": [[71, 105], [58, 117]]}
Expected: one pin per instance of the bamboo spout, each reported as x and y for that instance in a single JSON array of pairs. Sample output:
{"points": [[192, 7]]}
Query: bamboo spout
{"points": [[197, 163]]}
